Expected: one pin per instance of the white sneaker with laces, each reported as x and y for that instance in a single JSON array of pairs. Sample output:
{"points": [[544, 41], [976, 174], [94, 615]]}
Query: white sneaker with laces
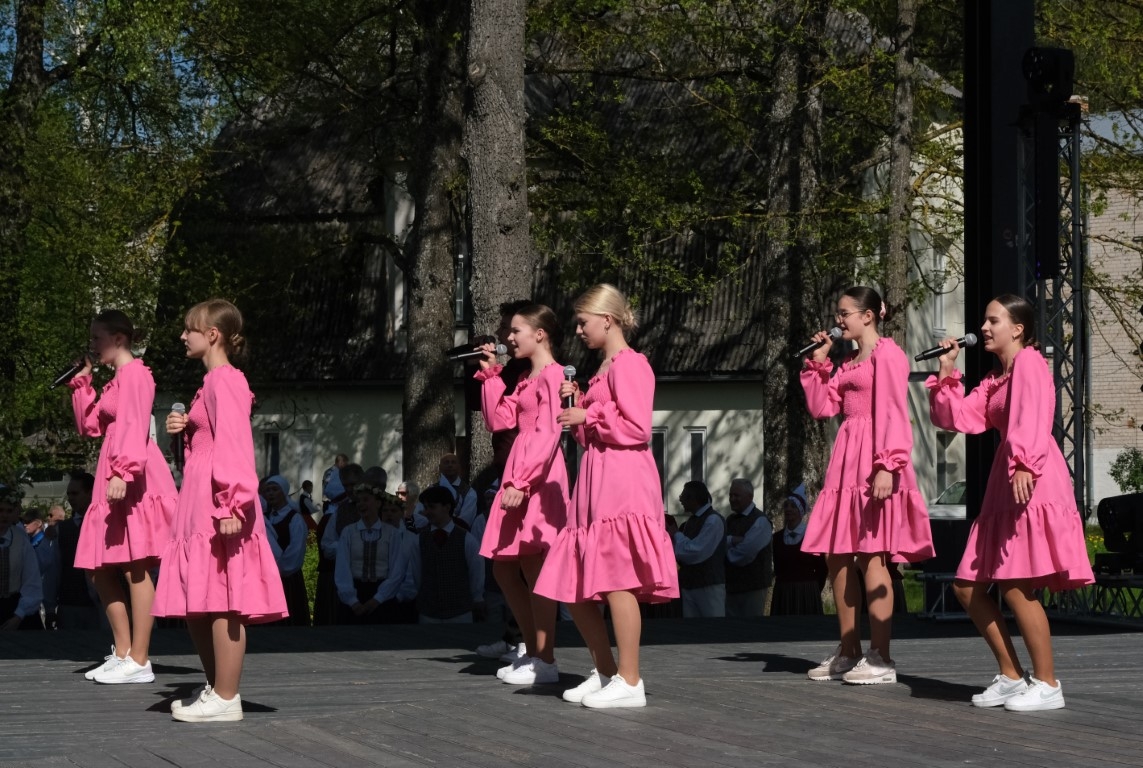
{"points": [[594, 682], [615, 694], [127, 671], [493, 650], [833, 667], [534, 672], [198, 693], [514, 652], [108, 662], [1001, 690], [871, 670], [500, 673], [210, 708], [1037, 697]]}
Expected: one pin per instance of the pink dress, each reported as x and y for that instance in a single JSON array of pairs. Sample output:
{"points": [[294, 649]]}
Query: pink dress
{"points": [[875, 434], [136, 527], [535, 463], [204, 572], [1042, 540], [616, 537]]}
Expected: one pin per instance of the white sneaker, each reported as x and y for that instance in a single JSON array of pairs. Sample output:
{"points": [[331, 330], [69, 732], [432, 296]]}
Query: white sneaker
{"points": [[494, 650], [1038, 696], [533, 672], [127, 671], [514, 652], [871, 670], [617, 693], [199, 692], [109, 661], [210, 708], [1001, 690], [592, 684], [500, 673], [833, 667]]}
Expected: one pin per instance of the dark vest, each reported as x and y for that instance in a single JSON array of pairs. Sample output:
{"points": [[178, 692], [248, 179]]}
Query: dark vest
{"points": [[445, 591], [757, 574], [282, 528], [73, 582], [712, 570]]}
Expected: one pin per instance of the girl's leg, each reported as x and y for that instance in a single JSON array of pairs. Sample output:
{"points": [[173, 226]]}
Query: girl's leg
{"points": [[879, 597], [115, 605], [142, 596], [985, 614], [842, 577], [1034, 629], [628, 623], [202, 636], [542, 611], [518, 597], [589, 621], [229, 636]]}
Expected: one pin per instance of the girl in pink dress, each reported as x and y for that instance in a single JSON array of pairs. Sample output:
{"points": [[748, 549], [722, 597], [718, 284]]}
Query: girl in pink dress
{"points": [[615, 547], [1029, 534], [869, 513], [531, 506], [133, 501], [218, 571]]}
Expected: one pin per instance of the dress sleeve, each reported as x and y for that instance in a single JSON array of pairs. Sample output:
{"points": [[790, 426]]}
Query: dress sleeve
{"points": [[127, 457], [1030, 414], [626, 419], [533, 452], [950, 408], [83, 406], [233, 479], [892, 431], [496, 404], [822, 398]]}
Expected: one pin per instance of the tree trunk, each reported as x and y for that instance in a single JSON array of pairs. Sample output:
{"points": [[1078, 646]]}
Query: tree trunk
{"points": [[900, 174], [436, 176], [503, 260]]}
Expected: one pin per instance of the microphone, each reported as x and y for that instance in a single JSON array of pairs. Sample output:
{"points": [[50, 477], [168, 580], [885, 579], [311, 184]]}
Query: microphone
{"points": [[569, 374], [473, 343], [968, 340], [178, 446], [835, 333], [70, 373], [458, 356]]}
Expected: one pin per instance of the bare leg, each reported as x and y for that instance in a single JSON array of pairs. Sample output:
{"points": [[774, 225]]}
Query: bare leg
{"points": [[1034, 629], [842, 577], [229, 636], [542, 610], [628, 623], [115, 605], [203, 639], [518, 597], [879, 597], [589, 621], [985, 614], [142, 596]]}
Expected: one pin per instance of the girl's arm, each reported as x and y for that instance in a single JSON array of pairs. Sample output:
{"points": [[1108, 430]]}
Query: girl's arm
{"points": [[83, 404], [951, 409], [626, 419], [533, 452], [228, 400], [497, 407], [820, 387], [128, 450]]}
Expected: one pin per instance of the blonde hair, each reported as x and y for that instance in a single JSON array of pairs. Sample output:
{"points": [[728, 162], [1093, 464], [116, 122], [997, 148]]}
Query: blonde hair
{"points": [[606, 299], [220, 314]]}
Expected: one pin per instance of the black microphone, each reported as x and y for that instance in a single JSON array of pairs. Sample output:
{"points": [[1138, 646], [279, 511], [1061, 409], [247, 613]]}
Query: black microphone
{"points": [[835, 333], [178, 445], [457, 357], [70, 373], [473, 343], [569, 374], [968, 340]]}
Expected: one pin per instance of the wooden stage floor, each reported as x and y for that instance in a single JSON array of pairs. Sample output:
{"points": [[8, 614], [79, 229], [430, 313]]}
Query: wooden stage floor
{"points": [[720, 693]]}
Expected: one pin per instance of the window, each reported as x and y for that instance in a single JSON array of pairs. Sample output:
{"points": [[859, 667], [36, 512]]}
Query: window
{"points": [[698, 453], [659, 451], [270, 454]]}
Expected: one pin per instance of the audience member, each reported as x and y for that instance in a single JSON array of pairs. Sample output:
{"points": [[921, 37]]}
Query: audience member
{"points": [[340, 512], [369, 568], [21, 589], [286, 530], [799, 577], [445, 567], [47, 556], [749, 553], [700, 548], [78, 607]]}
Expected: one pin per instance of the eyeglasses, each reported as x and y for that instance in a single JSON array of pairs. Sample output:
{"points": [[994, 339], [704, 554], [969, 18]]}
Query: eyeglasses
{"points": [[840, 316]]}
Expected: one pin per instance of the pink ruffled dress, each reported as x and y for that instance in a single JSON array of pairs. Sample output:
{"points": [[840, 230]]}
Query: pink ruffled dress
{"points": [[204, 572], [1042, 540], [535, 464], [136, 527], [616, 537], [875, 434]]}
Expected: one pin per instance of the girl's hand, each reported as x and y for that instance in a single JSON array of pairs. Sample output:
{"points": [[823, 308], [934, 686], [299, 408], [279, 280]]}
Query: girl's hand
{"points": [[176, 422], [511, 498], [489, 358], [570, 417], [821, 354], [569, 389], [948, 359], [116, 489], [1023, 484], [882, 485], [87, 366], [229, 527]]}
